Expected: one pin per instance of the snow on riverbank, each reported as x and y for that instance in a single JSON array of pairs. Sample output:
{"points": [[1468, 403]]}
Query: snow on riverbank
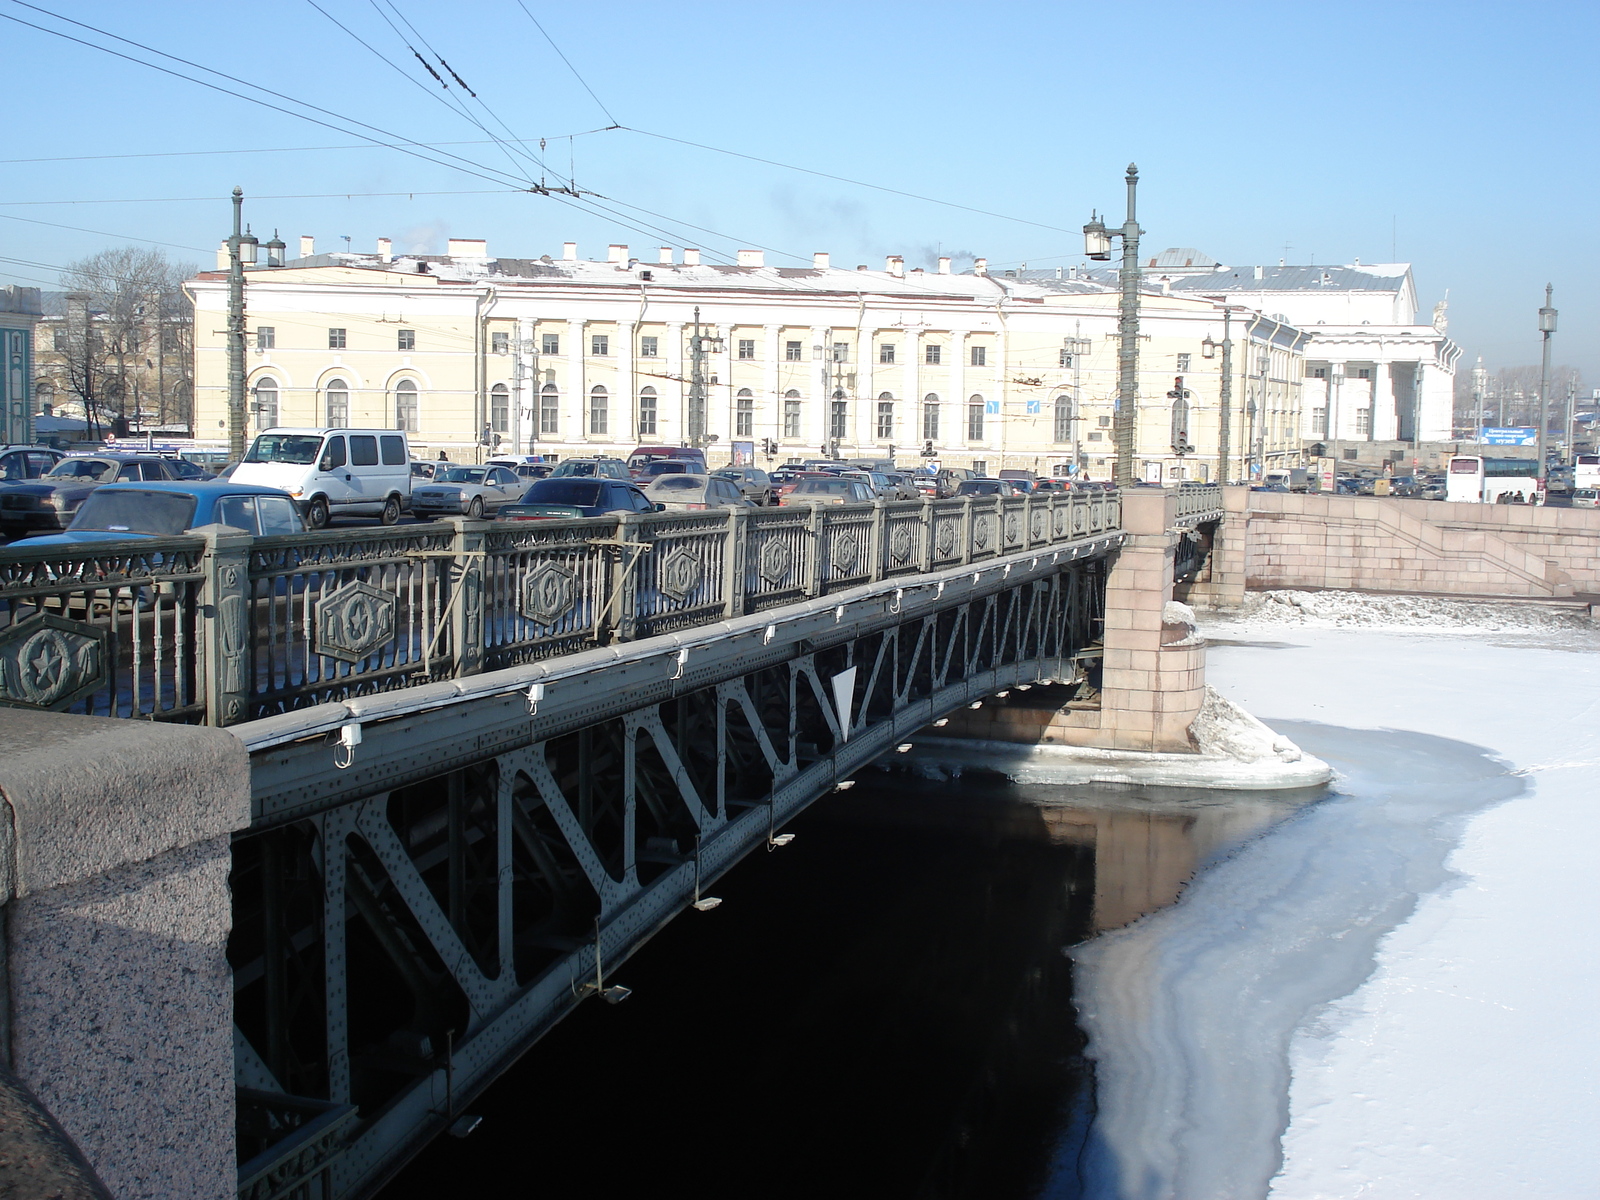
{"points": [[1276, 610], [1391, 994]]}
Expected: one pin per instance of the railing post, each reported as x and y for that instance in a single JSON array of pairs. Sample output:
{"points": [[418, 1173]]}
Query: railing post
{"points": [[733, 560], [966, 530], [879, 517], [927, 550], [616, 610], [225, 616], [466, 613], [815, 571]]}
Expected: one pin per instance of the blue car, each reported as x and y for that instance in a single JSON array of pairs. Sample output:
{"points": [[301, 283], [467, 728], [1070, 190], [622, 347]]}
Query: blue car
{"points": [[118, 511]]}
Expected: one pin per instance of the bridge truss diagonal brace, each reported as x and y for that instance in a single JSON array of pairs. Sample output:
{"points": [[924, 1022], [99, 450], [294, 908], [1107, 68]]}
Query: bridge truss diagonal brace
{"points": [[923, 646], [735, 691], [614, 894], [485, 995], [649, 720], [807, 666], [333, 828]]}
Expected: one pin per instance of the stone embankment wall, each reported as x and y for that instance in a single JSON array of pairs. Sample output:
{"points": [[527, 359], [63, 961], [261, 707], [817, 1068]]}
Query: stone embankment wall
{"points": [[114, 859], [1379, 544]]}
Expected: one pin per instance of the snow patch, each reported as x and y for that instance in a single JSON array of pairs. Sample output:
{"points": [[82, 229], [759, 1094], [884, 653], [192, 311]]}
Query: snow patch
{"points": [[1358, 610]]}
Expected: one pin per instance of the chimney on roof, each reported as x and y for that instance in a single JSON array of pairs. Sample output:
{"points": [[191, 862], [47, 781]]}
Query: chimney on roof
{"points": [[385, 250], [665, 257], [691, 258], [895, 265], [819, 261], [1261, 272], [467, 248], [980, 266], [944, 266], [223, 262], [569, 251], [308, 245], [752, 258], [616, 253]]}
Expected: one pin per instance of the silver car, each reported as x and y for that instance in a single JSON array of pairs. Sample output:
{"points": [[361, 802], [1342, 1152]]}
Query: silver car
{"points": [[467, 492], [694, 492]]}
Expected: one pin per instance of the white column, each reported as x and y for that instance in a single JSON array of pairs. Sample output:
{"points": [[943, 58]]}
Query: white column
{"points": [[672, 414], [905, 424], [525, 419], [624, 419], [953, 408], [769, 408], [719, 397], [821, 386], [574, 420]]}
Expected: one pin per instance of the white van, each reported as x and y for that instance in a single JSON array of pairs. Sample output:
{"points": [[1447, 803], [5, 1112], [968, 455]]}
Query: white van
{"points": [[333, 472]]}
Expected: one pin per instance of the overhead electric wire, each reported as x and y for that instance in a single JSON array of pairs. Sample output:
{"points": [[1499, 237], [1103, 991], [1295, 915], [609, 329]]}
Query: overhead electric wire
{"points": [[277, 149], [101, 233], [499, 191], [614, 122]]}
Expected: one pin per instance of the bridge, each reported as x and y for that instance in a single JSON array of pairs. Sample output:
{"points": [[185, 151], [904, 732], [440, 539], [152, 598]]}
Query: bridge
{"points": [[483, 762]]}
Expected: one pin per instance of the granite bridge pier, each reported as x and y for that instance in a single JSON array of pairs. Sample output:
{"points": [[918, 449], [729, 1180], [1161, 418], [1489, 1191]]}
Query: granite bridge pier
{"points": [[307, 838]]}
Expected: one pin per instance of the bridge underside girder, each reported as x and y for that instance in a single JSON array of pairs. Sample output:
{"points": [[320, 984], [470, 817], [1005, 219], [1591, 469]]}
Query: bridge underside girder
{"points": [[405, 929]]}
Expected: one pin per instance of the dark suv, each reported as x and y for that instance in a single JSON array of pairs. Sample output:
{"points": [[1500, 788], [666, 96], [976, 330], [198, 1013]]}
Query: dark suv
{"points": [[47, 504]]}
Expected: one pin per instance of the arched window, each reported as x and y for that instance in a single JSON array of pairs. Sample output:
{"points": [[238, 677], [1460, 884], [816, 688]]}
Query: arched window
{"points": [[549, 410], [44, 399], [264, 402], [500, 409], [744, 414], [647, 410], [974, 418], [599, 411], [885, 416], [405, 405], [930, 417], [839, 417], [1063, 422], [336, 402], [791, 414]]}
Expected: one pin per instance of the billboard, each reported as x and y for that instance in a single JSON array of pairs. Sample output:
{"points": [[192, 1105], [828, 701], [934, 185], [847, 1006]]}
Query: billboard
{"points": [[1516, 436]]}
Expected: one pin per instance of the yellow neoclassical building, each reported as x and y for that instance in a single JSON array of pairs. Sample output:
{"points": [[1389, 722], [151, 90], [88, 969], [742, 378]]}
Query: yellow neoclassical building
{"points": [[570, 356]]}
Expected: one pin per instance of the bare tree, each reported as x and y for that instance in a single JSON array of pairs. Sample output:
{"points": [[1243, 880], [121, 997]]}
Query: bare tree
{"points": [[132, 356]]}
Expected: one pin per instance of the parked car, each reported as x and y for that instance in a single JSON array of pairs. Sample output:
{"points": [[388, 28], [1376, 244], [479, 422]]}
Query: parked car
{"points": [[951, 478], [643, 456], [48, 504], [753, 481], [561, 499], [925, 485], [656, 468], [526, 466], [784, 482], [119, 511], [467, 491], [987, 487], [1058, 486], [696, 492], [421, 472], [26, 462], [598, 468], [1585, 498], [333, 472], [827, 490]]}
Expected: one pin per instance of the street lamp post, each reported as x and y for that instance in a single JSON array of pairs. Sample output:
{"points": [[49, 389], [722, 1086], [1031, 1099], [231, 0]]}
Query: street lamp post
{"points": [[1208, 349], [1097, 245], [1547, 326], [699, 346], [241, 251]]}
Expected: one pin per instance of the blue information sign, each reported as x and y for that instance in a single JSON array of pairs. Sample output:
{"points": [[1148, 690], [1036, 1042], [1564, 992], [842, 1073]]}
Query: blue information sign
{"points": [[1520, 436]]}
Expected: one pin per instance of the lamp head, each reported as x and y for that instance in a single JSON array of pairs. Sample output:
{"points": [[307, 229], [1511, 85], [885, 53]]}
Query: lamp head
{"points": [[1096, 241]]}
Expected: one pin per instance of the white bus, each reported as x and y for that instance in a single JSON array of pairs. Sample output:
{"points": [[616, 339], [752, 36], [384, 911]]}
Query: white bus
{"points": [[1586, 471], [1477, 480]]}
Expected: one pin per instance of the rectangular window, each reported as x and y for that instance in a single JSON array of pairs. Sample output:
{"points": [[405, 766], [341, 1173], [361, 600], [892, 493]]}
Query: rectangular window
{"points": [[408, 339], [841, 352], [1363, 422], [550, 343], [363, 450], [500, 343], [885, 420], [975, 422], [59, 341], [838, 419], [886, 352], [980, 356], [791, 351], [744, 418], [747, 347], [791, 417], [549, 411], [1103, 422], [1364, 373], [266, 337], [649, 347], [335, 339], [599, 345], [394, 450], [1319, 422], [1063, 429], [599, 414], [930, 354], [1319, 372], [930, 422], [1183, 364], [1066, 358], [1095, 436], [647, 412], [500, 410]]}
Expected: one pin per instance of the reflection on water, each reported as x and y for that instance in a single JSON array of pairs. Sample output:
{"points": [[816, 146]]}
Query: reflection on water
{"points": [[881, 1009]]}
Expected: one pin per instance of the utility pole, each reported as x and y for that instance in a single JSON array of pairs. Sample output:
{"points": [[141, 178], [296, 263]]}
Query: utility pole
{"points": [[697, 385], [1097, 245], [1572, 416], [236, 406], [1547, 326], [1225, 422], [1479, 381]]}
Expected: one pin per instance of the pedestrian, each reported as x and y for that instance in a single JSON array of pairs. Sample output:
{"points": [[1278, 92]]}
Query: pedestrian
{"points": [[443, 457]]}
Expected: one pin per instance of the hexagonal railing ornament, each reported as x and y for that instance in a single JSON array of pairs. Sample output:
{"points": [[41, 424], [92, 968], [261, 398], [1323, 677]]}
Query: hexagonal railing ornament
{"points": [[548, 591], [49, 661], [901, 544], [355, 621], [681, 573], [846, 551], [775, 561]]}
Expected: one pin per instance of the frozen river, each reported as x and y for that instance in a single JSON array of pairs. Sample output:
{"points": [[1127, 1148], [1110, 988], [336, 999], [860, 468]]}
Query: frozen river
{"points": [[1392, 994]]}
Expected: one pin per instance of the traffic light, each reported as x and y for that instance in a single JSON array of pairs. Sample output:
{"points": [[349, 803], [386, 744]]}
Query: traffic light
{"points": [[927, 449]]}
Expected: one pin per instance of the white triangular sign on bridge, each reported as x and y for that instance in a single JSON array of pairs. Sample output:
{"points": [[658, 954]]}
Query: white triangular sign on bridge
{"points": [[844, 695]]}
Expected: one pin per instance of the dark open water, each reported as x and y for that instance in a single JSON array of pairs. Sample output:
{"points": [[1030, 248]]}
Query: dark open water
{"points": [[882, 1008]]}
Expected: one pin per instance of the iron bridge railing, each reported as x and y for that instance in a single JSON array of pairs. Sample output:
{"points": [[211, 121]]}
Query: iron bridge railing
{"points": [[223, 628]]}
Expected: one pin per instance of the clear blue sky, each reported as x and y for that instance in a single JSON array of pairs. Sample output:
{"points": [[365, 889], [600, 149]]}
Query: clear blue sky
{"points": [[1461, 136]]}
